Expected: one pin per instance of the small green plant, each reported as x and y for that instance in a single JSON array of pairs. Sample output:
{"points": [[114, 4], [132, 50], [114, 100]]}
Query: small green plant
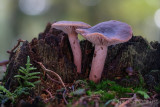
{"points": [[5, 95], [25, 75]]}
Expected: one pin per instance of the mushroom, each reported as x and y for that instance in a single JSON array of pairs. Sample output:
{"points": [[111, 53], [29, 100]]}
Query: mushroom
{"points": [[130, 71], [69, 28], [103, 35]]}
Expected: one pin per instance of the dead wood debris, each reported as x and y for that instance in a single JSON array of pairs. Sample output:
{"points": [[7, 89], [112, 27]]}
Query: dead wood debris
{"points": [[128, 101], [52, 72], [50, 94], [53, 80], [19, 41]]}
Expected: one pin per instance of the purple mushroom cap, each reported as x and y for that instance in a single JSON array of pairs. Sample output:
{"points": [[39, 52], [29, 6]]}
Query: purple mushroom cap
{"points": [[109, 33], [69, 26]]}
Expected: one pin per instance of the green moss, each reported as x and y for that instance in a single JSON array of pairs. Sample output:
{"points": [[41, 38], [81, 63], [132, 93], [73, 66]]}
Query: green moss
{"points": [[109, 85], [110, 89], [105, 95], [107, 90]]}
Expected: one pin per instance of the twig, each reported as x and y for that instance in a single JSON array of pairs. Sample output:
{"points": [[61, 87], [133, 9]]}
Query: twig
{"points": [[64, 96], [49, 93], [124, 98], [48, 99], [4, 63], [53, 79], [19, 41], [128, 101], [54, 73]]}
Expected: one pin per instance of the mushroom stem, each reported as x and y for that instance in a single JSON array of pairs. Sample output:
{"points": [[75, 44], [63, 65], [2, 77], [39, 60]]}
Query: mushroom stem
{"points": [[77, 55], [98, 62]]}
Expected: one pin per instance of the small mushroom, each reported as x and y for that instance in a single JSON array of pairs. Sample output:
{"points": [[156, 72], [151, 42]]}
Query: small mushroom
{"points": [[69, 28], [103, 35], [130, 71]]}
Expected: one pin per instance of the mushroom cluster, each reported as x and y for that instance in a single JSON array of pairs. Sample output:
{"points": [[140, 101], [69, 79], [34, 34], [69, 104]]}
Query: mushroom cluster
{"points": [[101, 35]]}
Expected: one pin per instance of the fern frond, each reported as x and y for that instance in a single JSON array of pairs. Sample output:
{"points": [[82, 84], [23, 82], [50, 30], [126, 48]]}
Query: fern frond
{"points": [[33, 73], [27, 75], [22, 71], [32, 68], [22, 68], [19, 76], [37, 82], [29, 84], [21, 90], [33, 77], [3, 89]]}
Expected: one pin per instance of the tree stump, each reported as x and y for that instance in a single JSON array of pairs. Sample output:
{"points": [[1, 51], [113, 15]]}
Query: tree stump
{"points": [[52, 48]]}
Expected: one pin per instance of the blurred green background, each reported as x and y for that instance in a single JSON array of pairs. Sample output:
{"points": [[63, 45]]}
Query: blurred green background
{"points": [[25, 19]]}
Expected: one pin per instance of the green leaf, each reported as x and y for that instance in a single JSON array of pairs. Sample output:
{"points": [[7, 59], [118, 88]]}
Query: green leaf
{"points": [[32, 68], [22, 71], [22, 68], [37, 82], [28, 59], [19, 76], [144, 94], [28, 65], [21, 90], [33, 77], [2, 88], [33, 73], [29, 84]]}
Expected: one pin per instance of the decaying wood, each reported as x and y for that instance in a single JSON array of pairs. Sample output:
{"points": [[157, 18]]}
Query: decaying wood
{"points": [[19, 41], [128, 101]]}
